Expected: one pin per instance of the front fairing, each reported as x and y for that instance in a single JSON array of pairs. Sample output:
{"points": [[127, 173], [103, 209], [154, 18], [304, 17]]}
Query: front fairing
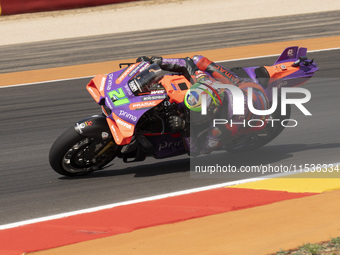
{"points": [[126, 109], [117, 92]]}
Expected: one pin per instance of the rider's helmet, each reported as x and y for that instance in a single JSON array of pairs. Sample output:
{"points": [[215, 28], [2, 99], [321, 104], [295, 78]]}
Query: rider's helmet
{"points": [[193, 98], [202, 95]]}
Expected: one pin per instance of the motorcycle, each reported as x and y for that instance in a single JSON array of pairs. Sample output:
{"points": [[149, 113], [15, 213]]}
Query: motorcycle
{"points": [[136, 102]]}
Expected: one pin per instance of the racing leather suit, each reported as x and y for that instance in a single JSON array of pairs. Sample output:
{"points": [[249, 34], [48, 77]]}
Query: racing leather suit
{"points": [[200, 69]]}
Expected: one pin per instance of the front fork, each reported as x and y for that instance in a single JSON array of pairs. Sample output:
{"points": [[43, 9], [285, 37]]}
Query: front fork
{"points": [[96, 127]]}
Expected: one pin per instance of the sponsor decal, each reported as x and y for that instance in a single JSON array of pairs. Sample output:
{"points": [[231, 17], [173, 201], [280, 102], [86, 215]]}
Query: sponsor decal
{"points": [[124, 124], [141, 105], [105, 135], [108, 103], [125, 73], [290, 53], [109, 81], [118, 97], [167, 145], [114, 131], [102, 84], [94, 95], [134, 71], [144, 67], [134, 86], [229, 75], [83, 125], [127, 115], [157, 91], [156, 97], [127, 89]]}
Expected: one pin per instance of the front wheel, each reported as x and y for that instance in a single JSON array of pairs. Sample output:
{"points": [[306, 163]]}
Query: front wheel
{"points": [[73, 154]]}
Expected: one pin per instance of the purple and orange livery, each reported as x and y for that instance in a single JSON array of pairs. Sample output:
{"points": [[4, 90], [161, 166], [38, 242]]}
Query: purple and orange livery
{"points": [[122, 107]]}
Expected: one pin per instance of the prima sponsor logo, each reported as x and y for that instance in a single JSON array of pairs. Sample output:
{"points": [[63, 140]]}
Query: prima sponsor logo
{"points": [[124, 124], [109, 81], [167, 145], [127, 89], [127, 115]]}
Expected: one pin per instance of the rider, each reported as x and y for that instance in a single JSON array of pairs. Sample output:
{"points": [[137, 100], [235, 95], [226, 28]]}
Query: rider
{"points": [[204, 74]]}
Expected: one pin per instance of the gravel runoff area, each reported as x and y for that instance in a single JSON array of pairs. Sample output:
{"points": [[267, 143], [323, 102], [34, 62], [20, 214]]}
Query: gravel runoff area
{"points": [[144, 15]]}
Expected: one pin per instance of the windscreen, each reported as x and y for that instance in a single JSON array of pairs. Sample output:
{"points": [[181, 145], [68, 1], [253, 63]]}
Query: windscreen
{"points": [[146, 80]]}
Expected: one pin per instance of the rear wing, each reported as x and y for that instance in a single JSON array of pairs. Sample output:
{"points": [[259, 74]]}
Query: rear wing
{"points": [[291, 54]]}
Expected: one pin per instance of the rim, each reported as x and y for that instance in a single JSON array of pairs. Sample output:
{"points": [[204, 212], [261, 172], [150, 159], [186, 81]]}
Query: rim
{"points": [[83, 156]]}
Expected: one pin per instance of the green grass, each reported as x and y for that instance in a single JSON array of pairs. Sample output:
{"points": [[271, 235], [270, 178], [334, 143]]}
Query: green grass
{"points": [[331, 247]]}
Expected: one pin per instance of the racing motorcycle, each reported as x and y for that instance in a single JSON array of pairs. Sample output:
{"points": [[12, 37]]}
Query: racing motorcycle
{"points": [[136, 102]]}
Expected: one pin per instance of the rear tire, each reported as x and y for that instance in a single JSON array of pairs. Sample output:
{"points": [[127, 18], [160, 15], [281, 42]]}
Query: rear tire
{"points": [[255, 141], [73, 154]]}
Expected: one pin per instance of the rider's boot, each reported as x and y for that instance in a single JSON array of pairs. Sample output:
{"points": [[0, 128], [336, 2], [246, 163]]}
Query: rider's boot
{"points": [[212, 141]]}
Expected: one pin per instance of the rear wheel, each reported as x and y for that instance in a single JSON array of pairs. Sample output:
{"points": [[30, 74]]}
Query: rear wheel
{"points": [[256, 140], [73, 154]]}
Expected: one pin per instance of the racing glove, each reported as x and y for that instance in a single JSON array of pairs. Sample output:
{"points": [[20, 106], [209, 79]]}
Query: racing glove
{"points": [[143, 58], [176, 123], [151, 60]]}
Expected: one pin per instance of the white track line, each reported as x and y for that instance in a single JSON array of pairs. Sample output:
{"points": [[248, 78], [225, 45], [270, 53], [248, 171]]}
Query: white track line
{"points": [[135, 201], [146, 199], [230, 60]]}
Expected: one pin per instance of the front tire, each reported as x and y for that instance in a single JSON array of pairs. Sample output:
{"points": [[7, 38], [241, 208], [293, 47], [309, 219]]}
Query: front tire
{"points": [[73, 154]]}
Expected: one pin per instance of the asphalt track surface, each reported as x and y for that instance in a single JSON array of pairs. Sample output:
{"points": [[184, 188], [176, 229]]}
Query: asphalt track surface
{"points": [[32, 117]]}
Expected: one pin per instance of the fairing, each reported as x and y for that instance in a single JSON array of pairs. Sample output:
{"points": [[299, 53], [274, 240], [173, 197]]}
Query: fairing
{"points": [[127, 108]]}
